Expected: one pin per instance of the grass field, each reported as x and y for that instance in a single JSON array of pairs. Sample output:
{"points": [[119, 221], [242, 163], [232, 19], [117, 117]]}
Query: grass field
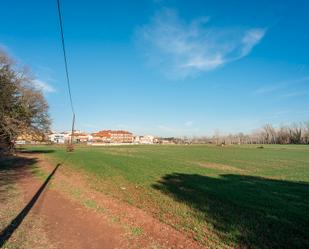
{"points": [[222, 196]]}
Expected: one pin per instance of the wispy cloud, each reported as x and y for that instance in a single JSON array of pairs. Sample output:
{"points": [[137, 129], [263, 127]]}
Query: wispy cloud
{"points": [[278, 86], [294, 94], [43, 86], [250, 39], [267, 89], [183, 48]]}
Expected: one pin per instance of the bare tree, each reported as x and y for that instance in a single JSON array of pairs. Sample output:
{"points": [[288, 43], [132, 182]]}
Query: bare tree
{"points": [[283, 135], [295, 133], [305, 134], [270, 133], [23, 108], [217, 137]]}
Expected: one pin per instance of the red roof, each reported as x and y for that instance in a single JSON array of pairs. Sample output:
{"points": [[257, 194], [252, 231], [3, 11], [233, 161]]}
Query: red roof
{"points": [[109, 133], [78, 134]]}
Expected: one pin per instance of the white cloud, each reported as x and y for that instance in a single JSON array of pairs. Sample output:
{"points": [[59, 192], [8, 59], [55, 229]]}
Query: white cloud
{"points": [[43, 86], [294, 94], [183, 48], [267, 89], [274, 87], [250, 39]]}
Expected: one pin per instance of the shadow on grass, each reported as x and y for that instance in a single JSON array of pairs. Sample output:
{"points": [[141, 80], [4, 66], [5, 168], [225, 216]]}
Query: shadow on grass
{"points": [[33, 151], [11, 171], [12, 168], [14, 224], [253, 212]]}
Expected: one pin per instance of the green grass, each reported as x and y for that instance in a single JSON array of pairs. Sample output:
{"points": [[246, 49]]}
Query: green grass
{"points": [[136, 231], [232, 196]]}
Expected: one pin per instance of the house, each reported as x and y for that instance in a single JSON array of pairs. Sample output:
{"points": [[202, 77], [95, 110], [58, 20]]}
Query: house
{"points": [[59, 138], [147, 139], [80, 137], [65, 137], [112, 136], [101, 137]]}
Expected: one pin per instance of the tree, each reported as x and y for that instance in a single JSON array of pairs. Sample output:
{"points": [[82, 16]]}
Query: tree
{"points": [[283, 135], [23, 108], [295, 134], [305, 133], [216, 137], [270, 133]]}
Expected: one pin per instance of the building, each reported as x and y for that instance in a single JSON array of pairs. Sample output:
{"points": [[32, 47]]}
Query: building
{"points": [[59, 138], [112, 136], [147, 139], [101, 137], [80, 137], [65, 137], [104, 136]]}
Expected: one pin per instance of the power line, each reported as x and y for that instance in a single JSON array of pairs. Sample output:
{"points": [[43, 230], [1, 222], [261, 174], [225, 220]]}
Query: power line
{"points": [[70, 146], [65, 57]]}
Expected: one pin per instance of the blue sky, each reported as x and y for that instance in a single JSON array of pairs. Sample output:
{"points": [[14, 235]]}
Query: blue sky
{"points": [[165, 67]]}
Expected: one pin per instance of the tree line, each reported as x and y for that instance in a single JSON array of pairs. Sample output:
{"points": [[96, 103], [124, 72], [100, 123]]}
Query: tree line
{"points": [[23, 108], [296, 133]]}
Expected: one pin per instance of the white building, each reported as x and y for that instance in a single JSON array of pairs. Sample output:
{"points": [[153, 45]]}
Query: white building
{"points": [[147, 139], [59, 138], [65, 137]]}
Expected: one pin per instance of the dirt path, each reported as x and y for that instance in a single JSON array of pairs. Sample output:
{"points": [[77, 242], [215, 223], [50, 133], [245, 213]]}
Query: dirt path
{"points": [[69, 224], [74, 216]]}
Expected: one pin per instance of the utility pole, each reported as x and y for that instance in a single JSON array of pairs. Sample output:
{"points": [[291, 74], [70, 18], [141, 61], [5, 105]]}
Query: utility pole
{"points": [[70, 145]]}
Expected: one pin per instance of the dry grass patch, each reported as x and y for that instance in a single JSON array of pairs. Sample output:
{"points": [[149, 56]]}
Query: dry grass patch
{"points": [[218, 166]]}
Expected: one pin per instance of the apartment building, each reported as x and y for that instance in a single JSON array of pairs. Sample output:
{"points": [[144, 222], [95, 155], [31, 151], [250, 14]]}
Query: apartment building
{"points": [[112, 136]]}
